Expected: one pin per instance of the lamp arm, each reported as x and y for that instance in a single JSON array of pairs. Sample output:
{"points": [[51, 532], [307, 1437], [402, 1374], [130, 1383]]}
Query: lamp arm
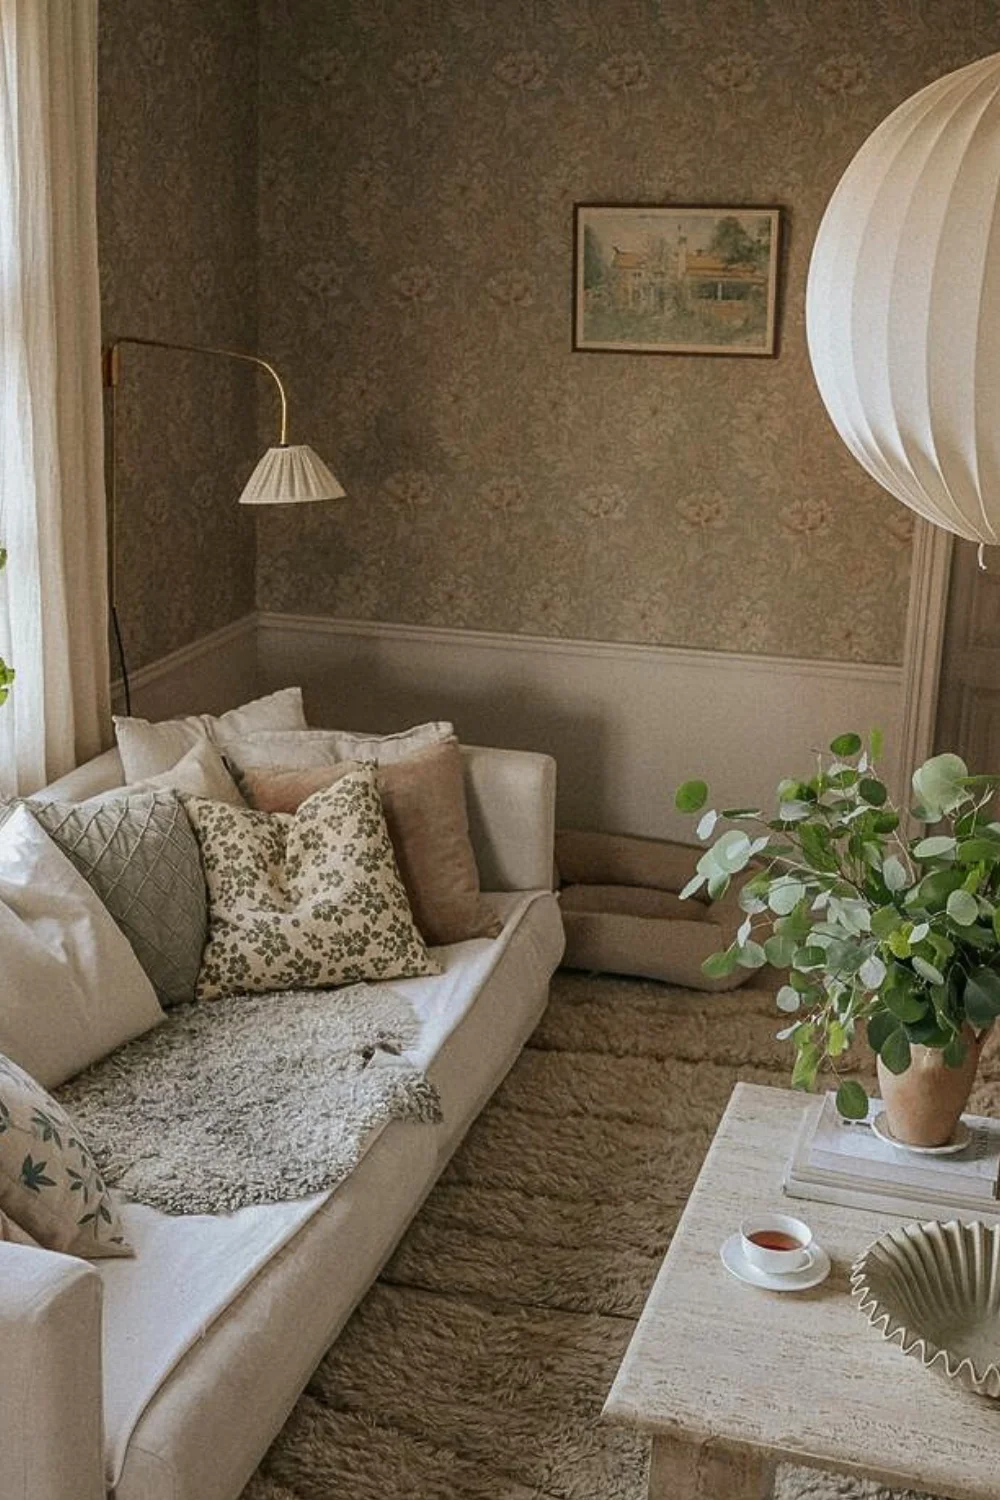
{"points": [[112, 367]]}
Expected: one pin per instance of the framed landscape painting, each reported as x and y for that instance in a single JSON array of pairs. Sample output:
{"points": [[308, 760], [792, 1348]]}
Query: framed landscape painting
{"points": [[675, 280]]}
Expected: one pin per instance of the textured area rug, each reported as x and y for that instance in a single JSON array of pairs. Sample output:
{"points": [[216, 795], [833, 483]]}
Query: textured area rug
{"points": [[477, 1366], [253, 1099]]}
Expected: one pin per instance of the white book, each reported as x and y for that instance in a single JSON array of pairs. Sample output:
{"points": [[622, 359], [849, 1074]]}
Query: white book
{"points": [[872, 1200], [834, 1151]]}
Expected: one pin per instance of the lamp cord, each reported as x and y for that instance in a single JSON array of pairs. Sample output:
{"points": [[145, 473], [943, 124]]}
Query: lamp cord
{"points": [[116, 626]]}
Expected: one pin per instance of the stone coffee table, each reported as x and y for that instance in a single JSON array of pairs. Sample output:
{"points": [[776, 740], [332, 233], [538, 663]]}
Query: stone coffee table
{"points": [[729, 1380]]}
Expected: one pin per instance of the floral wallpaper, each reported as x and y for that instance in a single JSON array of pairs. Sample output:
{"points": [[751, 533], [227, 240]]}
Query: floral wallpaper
{"points": [[419, 162], [177, 219]]}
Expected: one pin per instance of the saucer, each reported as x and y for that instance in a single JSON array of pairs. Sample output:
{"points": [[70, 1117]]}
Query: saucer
{"points": [[958, 1142], [811, 1275]]}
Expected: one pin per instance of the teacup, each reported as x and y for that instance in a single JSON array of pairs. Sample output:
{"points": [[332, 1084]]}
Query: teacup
{"points": [[776, 1243]]}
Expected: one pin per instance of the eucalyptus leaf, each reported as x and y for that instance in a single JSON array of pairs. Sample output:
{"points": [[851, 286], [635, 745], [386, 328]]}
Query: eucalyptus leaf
{"points": [[872, 972], [785, 895], [879, 1026], [936, 847], [955, 1052], [752, 956], [982, 996], [788, 999], [720, 965], [691, 796], [706, 824], [895, 1051], [962, 908], [806, 1066], [694, 884], [852, 1101], [937, 785], [927, 971], [894, 873]]}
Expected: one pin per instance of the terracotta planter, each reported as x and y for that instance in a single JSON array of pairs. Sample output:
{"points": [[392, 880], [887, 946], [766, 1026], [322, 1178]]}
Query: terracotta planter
{"points": [[925, 1103]]}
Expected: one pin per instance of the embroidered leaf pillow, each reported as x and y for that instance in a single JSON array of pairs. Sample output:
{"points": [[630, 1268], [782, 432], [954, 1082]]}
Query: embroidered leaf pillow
{"points": [[49, 1182], [306, 900]]}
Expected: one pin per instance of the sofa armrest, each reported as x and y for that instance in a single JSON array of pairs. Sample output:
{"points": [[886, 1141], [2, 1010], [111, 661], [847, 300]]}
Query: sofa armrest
{"points": [[512, 817], [51, 1414]]}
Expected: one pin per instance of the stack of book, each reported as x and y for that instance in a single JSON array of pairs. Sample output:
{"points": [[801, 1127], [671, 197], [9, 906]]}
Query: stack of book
{"points": [[844, 1161]]}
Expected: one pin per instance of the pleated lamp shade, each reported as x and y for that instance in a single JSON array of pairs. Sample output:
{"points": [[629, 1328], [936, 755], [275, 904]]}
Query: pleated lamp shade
{"points": [[903, 303], [290, 475]]}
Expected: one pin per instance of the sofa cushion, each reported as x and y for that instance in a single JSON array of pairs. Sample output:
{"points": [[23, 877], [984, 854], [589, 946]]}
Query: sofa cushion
{"points": [[140, 855], [72, 990], [147, 749], [202, 1423], [49, 1182], [304, 901], [327, 747], [423, 798], [200, 773]]}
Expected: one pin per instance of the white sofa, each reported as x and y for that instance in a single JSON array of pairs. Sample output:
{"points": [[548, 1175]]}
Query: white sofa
{"points": [[106, 1390]]}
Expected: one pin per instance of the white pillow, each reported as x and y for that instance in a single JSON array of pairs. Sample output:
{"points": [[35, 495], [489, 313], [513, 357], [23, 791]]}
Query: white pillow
{"points": [[149, 749], [200, 773], [72, 989], [303, 749]]}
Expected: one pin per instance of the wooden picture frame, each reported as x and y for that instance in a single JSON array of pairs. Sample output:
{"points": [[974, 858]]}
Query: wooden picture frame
{"points": [[675, 280]]}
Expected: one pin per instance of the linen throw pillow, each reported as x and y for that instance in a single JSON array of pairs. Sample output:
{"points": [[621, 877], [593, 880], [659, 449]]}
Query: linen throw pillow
{"points": [[329, 747], [49, 1182], [423, 799], [139, 854], [149, 749], [200, 773], [72, 988], [304, 901]]}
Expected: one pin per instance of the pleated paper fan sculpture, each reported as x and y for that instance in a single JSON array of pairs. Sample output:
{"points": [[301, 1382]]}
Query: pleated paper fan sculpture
{"points": [[903, 303]]}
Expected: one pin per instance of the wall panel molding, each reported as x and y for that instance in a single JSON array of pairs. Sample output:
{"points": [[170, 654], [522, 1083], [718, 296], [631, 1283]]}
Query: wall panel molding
{"points": [[626, 722]]}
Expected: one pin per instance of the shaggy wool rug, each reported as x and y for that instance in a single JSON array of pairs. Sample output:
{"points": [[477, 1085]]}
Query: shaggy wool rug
{"points": [[252, 1099], [477, 1366]]}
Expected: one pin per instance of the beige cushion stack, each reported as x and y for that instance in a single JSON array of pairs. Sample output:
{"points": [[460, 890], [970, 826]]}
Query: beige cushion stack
{"points": [[623, 913]]}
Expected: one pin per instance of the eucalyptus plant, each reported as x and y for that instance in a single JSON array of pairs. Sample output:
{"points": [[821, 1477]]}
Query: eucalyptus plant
{"points": [[898, 935]]}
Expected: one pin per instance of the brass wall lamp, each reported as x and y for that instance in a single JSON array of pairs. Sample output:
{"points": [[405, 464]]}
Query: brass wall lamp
{"points": [[287, 474]]}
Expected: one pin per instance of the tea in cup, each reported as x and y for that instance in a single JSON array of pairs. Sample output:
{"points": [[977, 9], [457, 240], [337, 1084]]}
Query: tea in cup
{"points": [[776, 1243]]}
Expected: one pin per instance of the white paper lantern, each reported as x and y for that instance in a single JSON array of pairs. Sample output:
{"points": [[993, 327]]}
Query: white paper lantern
{"points": [[903, 303]]}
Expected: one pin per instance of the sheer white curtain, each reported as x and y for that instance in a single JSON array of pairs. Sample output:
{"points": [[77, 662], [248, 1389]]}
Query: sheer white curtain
{"points": [[53, 596]]}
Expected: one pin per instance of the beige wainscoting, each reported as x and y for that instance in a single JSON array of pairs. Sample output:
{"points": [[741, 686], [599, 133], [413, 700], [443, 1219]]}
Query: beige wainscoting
{"points": [[625, 723]]}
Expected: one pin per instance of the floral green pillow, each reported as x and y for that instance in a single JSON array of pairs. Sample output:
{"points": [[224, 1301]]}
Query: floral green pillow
{"points": [[49, 1183], [306, 900]]}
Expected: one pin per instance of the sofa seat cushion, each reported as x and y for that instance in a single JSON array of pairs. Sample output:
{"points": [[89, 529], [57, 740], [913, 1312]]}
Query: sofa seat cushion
{"points": [[203, 1287]]}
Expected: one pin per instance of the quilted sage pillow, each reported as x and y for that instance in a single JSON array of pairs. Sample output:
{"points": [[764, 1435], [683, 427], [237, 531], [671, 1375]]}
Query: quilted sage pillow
{"points": [[140, 856], [304, 900]]}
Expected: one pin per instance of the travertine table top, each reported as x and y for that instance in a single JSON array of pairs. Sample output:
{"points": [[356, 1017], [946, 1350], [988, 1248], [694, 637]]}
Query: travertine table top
{"points": [[795, 1375]]}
